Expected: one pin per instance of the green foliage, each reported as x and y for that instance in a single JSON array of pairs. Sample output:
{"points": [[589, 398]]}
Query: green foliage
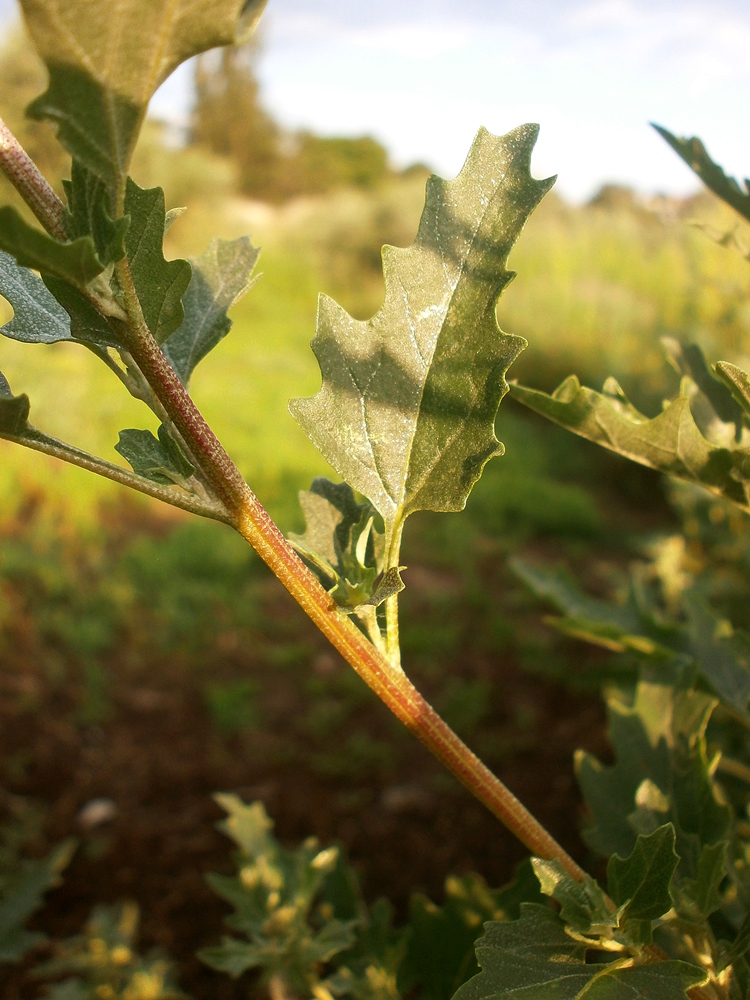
{"points": [[537, 953], [102, 963], [160, 459], [38, 318], [23, 884], [75, 262], [406, 416], [672, 442], [342, 542], [289, 930], [407, 407]]}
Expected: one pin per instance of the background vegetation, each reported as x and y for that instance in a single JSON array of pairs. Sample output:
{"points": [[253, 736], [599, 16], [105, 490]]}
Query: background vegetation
{"points": [[126, 632]]}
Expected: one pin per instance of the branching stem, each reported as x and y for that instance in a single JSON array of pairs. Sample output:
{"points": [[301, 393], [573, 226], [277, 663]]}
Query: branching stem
{"points": [[235, 503], [254, 524]]}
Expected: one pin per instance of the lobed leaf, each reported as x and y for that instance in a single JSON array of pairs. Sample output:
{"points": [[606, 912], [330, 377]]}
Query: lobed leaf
{"points": [[219, 279], [158, 459], [159, 283], [89, 213], [38, 318], [107, 57], [661, 775], [642, 880], [694, 153], [535, 957], [670, 443], [75, 262], [440, 943], [688, 359], [408, 402]]}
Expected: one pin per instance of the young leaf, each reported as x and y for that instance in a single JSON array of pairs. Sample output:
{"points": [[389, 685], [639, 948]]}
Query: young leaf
{"points": [[275, 896], [159, 283], [160, 460], [107, 57], [74, 262], [37, 319], [342, 544], [534, 957], [583, 905], [695, 898], [693, 152], [671, 442], [89, 214], [642, 879], [14, 410], [220, 278], [407, 407]]}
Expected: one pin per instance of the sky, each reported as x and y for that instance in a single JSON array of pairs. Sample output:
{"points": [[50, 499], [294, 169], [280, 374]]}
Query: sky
{"points": [[423, 75]]}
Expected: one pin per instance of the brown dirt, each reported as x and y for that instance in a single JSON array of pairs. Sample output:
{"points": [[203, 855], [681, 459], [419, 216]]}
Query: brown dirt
{"points": [[405, 824]]}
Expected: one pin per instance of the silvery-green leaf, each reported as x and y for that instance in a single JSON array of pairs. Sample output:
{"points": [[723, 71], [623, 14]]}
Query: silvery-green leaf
{"points": [[583, 905], [670, 442], [534, 959], [220, 277], [688, 360], [107, 57], [38, 318], [407, 407]]}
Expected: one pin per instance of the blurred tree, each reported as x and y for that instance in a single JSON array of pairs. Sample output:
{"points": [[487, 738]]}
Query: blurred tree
{"points": [[340, 162], [229, 120], [273, 164]]}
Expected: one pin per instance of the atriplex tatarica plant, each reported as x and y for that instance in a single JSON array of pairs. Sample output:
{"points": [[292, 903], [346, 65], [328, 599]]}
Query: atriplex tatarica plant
{"points": [[406, 416]]}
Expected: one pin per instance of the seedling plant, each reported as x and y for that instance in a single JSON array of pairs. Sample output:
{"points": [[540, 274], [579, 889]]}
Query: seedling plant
{"points": [[405, 415]]}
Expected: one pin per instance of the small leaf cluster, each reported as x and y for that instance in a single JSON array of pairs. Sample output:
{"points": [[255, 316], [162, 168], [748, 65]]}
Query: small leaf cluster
{"points": [[300, 919], [103, 964], [670, 812]]}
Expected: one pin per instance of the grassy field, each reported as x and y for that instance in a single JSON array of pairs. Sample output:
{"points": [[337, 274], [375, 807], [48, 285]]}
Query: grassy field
{"points": [[596, 289]]}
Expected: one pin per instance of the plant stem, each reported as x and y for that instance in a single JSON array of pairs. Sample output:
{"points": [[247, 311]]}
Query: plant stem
{"points": [[173, 495], [26, 178], [392, 641], [254, 524], [236, 504]]}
